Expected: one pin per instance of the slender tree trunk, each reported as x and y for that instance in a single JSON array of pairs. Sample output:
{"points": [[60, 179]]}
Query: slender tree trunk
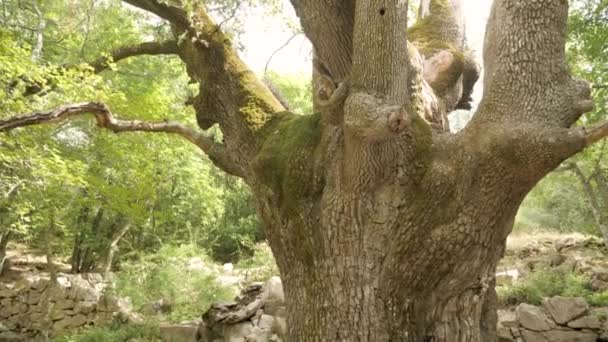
{"points": [[599, 215], [113, 247], [4, 239], [49, 234], [39, 33]]}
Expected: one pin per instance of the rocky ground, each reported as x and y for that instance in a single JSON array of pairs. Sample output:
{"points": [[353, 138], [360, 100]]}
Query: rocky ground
{"points": [[31, 307], [557, 318]]}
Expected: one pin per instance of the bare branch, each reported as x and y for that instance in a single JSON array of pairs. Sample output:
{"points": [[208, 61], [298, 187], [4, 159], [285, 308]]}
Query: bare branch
{"points": [[279, 49], [148, 48], [105, 119], [173, 14], [596, 133]]}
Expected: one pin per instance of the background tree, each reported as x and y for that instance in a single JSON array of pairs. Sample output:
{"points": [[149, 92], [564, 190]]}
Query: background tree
{"points": [[577, 199], [384, 225]]}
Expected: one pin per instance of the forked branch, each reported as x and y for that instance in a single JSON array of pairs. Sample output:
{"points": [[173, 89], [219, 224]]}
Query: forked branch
{"points": [[105, 119]]}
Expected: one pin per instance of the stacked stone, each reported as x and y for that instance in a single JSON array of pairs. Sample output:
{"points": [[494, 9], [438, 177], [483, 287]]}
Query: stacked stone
{"points": [[559, 319], [34, 305]]}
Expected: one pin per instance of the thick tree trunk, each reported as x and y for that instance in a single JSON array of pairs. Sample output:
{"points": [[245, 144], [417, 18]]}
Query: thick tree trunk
{"points": [[347, 278]]}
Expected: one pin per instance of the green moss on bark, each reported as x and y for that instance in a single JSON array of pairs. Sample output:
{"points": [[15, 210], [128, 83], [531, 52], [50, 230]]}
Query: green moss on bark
{"points": [[286, 160]]}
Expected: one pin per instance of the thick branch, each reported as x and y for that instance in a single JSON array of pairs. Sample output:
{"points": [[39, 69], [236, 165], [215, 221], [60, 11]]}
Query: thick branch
{"points": [[147, 48], [105, 119], [526, 76], [329, 26], [380, 66], [173, 14], [596, 133], [102, 63]]}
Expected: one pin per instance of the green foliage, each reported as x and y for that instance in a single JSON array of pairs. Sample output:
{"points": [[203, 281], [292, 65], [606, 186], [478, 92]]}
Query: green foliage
{"points": [[261, 266], [164, 275], [548, 283], [297, 90], [115, 333]]}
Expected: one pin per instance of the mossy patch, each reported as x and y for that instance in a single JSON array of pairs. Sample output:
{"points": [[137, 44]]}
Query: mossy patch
{"points": [[435, 31], [286, 160]]}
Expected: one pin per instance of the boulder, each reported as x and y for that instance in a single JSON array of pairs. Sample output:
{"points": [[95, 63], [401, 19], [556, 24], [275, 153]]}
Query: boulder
{"points": [[274, 298], [532, 317], [564, 310], [237, 332]]}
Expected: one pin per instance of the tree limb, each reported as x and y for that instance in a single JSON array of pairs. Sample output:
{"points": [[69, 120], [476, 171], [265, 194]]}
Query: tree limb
{"points": [[100, 64], [526, 75], [329, 26], [147, 48], [596, 133], [105, 119], [173, 14]]}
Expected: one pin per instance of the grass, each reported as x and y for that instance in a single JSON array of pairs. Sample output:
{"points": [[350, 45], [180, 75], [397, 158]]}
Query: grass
{"points": [[164, 275], [548, 283], [115, 333]]}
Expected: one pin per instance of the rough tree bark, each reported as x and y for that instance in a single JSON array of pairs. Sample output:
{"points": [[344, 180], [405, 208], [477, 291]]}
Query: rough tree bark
{"points": [[385, 226]]}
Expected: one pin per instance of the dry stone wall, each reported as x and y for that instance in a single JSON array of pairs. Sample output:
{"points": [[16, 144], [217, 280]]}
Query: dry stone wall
{"points": [[34, 305], [559, 319]]}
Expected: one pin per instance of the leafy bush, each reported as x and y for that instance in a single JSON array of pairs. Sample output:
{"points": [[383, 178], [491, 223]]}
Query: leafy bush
{"points": [[548, 283], [115, 333], [261, 266], [164, 275]]}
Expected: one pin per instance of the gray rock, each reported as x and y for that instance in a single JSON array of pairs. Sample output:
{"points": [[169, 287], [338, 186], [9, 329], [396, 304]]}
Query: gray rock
{"points": [[532, 336], [274, 298], [585, 322], [85, 307], [9, 336], [237, 332], [64, 304], [8, 293], [570, 336], [563, 310], [504, 334], [532, 317], [265, 322]]}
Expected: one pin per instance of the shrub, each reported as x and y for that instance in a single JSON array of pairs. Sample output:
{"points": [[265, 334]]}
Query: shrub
{"points": [[548, 283], [164, 275]]}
